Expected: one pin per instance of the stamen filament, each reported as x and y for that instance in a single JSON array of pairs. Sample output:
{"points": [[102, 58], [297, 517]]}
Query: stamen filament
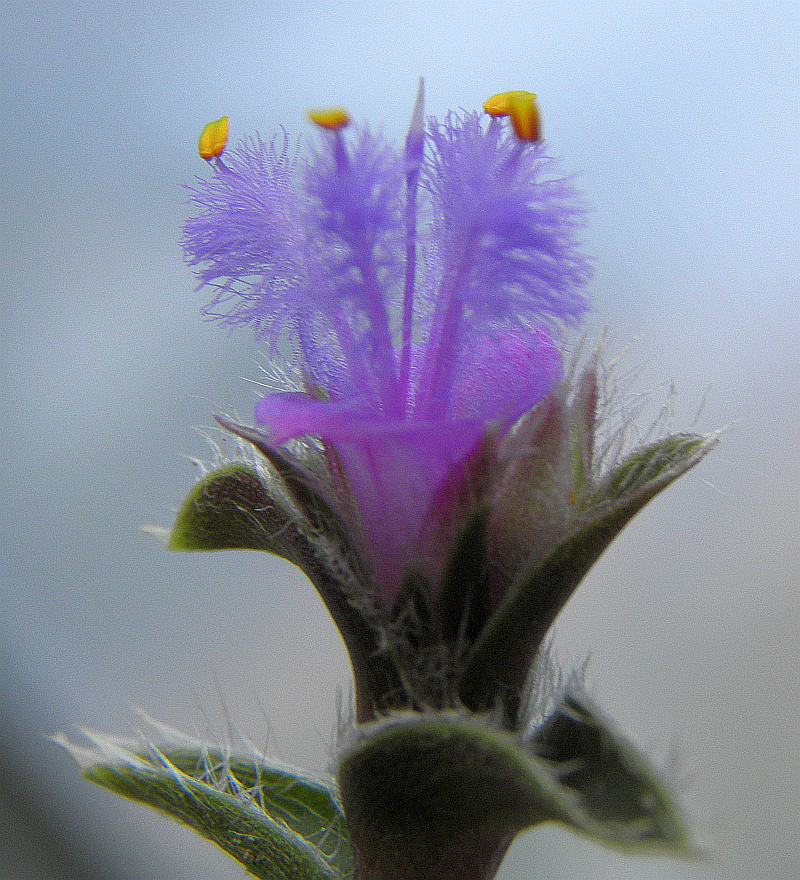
{"points": [[334, 121], [383, 349], [355, 364], [415, 146], [440, 354], [412, 181], [340, 153]]}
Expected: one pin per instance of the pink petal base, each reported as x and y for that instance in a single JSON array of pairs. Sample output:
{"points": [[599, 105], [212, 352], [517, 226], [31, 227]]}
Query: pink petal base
{"points": [[395, 467]]}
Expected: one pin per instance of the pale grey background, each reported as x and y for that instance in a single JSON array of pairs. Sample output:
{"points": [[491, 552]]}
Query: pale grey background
{"points": [[682, 121]]}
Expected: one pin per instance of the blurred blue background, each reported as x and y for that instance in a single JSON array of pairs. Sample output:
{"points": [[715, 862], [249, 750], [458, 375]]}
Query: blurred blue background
{"points": [[682, 121]]}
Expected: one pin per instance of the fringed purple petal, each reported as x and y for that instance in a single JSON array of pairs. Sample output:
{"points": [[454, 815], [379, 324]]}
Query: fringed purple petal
{"points": [[355, 230], [504, 376], [247, 242], [505, 225]]}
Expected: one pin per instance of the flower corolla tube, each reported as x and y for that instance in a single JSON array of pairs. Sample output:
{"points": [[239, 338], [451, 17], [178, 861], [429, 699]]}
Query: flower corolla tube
{"points": [[422, 291]]}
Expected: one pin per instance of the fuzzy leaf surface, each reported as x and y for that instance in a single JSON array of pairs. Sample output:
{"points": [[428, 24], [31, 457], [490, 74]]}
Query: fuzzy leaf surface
{"points": [[612, 782], [458, 784], [305, 491], [501, 658], [646, 471], [307, 806], [232, 508], [439, 797], [268, 847]]}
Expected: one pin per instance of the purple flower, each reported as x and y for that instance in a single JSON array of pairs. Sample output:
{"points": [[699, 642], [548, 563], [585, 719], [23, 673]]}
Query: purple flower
{"points": [[421, 291]]}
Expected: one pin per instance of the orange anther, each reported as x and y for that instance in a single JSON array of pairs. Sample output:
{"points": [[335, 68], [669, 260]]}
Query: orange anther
{"points": [[500, 104], [333, 118], [525, 117], [213, 139]]}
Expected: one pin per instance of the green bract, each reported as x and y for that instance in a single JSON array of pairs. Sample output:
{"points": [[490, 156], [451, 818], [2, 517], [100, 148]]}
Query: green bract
{"points": [[445, 767], [427, 795], [422, 790], [279, 823], [539, 511]]}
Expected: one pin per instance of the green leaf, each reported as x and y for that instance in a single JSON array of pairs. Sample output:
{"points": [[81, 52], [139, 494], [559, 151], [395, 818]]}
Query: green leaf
{"points": [[235, 508], [305, 490], [648, 470], [270, 820], [501, 658], [437, 774], [306, 805], [614, 785], [418, 789], [464, 602], [438, 797], [231, 509]]}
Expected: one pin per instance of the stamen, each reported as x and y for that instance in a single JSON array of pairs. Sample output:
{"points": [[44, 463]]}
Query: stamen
{"points": [[500, 104], [213, 139], [525, 118], [523, 110], [334, 119], [331, 118], [415, 150], [443, 336]]}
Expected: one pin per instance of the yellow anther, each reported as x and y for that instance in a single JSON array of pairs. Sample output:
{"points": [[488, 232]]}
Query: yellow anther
{"points": [[521, 107], [525, 117], [500, 105], [332, 118], [213, 139]]}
